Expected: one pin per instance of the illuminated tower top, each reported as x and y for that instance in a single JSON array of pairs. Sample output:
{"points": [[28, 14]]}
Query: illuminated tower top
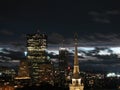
{"points": [[36, 41]]}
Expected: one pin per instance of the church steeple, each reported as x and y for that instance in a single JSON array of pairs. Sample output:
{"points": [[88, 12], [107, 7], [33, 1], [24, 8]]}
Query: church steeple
{"points": [[76, 80], [76, 63]]}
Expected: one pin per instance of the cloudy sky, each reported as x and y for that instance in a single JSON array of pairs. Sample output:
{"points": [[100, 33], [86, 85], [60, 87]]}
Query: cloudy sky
{"points": [[95, 21]]}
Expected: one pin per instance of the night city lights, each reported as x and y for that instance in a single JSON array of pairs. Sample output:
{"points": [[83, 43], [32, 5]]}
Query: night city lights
{"points": [[60, 45]]}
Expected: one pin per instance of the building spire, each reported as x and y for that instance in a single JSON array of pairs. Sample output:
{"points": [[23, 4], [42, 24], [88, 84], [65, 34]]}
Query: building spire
{"points": [[76, 52], [76, 63], [76, 80]]}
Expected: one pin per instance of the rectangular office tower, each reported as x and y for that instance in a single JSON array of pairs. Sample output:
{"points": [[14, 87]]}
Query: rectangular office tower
{"points": [[63, 64], [40, 66]]}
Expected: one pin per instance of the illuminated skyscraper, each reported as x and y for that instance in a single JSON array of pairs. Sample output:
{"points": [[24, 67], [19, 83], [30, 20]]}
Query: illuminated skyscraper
{"points": [[76, 80], [40, 66]]}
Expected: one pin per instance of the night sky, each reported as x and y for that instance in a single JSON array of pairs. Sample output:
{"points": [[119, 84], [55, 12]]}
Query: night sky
{"points": [[95, 21]]}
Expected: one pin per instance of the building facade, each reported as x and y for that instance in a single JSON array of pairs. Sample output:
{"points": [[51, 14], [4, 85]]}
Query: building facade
{"points": [[22, 77], [40, 66]]}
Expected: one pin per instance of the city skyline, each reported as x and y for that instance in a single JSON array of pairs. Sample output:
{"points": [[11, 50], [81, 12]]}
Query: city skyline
{"points": [[96, 23], [59, 44]]}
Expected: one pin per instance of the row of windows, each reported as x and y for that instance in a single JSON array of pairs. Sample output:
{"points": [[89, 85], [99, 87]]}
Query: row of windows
{"points": [[42, 48], [38, 57]]}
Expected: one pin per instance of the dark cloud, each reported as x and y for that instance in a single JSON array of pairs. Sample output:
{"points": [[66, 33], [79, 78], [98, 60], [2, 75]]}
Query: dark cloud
{"points": [[105, 65], [99, 17], [6, 32], [113, 12], [93, 39], [55, 38], [102, 20], [104, 16], [99, 39]]}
